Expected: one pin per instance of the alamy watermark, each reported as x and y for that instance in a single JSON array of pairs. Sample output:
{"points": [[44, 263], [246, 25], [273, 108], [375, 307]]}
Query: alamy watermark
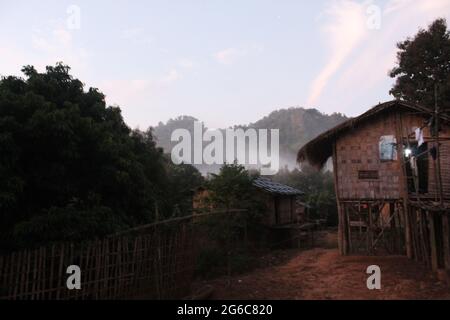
{"points": [[373, 13], [374, 280], [248, 147], [73, 21], [74, 280]]}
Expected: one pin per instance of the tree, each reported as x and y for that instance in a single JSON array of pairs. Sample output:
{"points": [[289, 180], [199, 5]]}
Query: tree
{"points": [[183, 180], [423, 62], [70, 167], [318, 187], [232, 188]]}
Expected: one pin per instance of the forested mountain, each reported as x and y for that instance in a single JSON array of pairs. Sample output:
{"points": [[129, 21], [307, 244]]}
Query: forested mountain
{"points": [[297, 126]]}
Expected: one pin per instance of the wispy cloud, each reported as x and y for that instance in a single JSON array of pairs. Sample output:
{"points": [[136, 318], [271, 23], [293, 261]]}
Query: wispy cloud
{"points": [[344, 29], [49, 44], [12, 60], [137, 35], [229, 56], [172, 76], [126, 92], [56, 43], [372, 52]]}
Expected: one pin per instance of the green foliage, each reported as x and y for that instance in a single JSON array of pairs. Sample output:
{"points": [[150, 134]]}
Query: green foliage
{"points": [[66, 224], [68, 159], [183, 179], [227, 232], [424, 61], [318, 187], [232, 187]]}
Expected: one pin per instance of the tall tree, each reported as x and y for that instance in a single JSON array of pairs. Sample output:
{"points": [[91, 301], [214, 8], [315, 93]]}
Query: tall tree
{"points": [[423, 63], [70, 167]]}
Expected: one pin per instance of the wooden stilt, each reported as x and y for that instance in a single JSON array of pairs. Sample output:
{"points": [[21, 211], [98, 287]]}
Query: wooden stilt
{"points": [[434, 256], [445, 237], [370, 229], [347, 232]]}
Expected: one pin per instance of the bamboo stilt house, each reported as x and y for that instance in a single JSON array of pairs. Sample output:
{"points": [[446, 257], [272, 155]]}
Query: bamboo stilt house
{"points": [[392, 180]]}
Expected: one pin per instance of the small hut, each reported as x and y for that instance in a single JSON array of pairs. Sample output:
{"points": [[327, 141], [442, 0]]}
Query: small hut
{"points": [[286, 216], [282, 203], [285, 220]]}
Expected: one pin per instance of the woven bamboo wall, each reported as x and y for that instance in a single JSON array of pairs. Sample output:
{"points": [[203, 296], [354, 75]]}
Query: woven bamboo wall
{"points": [[358, 150]]}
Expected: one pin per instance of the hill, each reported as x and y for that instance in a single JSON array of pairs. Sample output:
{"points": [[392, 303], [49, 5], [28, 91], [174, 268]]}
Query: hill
{"points": [[297, 126]]}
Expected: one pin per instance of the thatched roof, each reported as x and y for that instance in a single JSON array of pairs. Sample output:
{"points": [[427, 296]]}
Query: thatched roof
{"points": [[318, 150]]}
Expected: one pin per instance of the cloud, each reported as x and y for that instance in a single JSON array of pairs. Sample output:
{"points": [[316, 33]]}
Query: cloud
{"points": [[57, 40], [55, 44], [380, 48], [172, 76], [137, 35], [125, 92], [395, 5], [185, 63], [134, 91], [344, 30], [228, 56], [363, 67], [12, 60], [48, 45]]}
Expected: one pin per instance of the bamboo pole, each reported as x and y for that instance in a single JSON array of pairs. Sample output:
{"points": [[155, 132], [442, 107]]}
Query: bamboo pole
{"points": [[341, 216], [404, 189], [446, 235], [434, 256], [16, 274]]}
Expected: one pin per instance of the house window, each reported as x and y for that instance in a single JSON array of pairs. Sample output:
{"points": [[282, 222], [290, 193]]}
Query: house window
{"points": [[388, 150], [368, 175]]}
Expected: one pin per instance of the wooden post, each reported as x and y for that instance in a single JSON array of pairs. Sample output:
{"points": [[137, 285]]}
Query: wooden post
{"points": [[414, 239], [437, 162], [434, 257], [370, 228], [340, 206], [347, 231], [446, 235], [404, 186]]}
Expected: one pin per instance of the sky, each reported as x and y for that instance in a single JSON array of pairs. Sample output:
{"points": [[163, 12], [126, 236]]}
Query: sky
{"points": [[223, 62]]}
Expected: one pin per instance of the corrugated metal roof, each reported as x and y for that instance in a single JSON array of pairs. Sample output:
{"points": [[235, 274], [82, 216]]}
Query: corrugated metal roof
{"points": [[275, 187]]}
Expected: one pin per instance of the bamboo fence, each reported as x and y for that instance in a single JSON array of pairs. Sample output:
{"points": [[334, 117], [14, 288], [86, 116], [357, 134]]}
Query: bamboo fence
{"points": [[155, 263]]}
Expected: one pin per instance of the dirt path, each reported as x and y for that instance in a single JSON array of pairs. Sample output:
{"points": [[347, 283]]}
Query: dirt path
{"points": [[323, 274]]}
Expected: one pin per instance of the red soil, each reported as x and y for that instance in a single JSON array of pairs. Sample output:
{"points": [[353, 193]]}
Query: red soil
{"points": [[322, 273]]}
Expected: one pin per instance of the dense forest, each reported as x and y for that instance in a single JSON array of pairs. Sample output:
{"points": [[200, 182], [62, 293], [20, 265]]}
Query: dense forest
{"points": [[71, 169]]}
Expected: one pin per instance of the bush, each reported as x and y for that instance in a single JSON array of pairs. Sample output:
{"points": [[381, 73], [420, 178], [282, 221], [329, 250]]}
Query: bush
{"points": [[66, 224]]}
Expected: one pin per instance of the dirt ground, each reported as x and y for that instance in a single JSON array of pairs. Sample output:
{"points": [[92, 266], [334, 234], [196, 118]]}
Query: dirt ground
{"points": [[321, 273]]}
